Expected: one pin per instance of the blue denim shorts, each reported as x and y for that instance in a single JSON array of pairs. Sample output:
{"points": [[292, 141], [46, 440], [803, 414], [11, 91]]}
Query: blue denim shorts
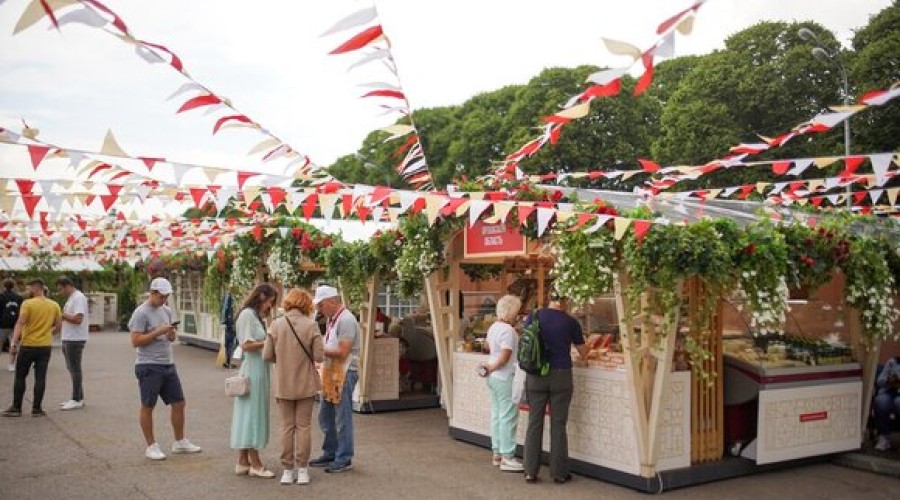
{"points": [[158, 381]]}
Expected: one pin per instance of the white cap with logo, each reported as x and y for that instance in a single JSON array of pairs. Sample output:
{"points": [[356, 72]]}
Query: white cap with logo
{"points": [[325, 292], [161, 285]]}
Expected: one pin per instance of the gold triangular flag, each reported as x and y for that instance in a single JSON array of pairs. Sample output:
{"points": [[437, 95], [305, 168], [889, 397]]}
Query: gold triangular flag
{"points": [[852, 108], [463, 209], [761, 186], [562, 216], [892, 196], [712, 194], [622, 224], [110, 146], [825, 161], [501, 210]]}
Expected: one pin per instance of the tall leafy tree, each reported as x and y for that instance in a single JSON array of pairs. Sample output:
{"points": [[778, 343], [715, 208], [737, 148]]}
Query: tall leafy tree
{"points": [[876, 65]]}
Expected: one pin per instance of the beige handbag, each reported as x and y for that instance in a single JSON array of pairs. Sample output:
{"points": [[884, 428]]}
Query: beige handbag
{"points": [[237, 386]]}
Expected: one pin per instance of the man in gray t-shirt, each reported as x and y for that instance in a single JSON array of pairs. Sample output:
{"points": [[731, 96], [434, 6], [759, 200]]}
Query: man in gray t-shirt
{"points": [[152, 333], [342, 337]]}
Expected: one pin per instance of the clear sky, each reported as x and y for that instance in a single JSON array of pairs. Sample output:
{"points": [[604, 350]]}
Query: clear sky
{"points": [[268, 58]]}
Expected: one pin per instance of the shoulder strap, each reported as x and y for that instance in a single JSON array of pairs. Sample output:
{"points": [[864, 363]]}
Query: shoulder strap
{"points": [[308, 354]]}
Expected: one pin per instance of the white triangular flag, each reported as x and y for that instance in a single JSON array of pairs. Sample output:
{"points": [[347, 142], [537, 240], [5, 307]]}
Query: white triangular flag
{"points": [[476, 208], [543, 217], [880, 164], [800, 166]]}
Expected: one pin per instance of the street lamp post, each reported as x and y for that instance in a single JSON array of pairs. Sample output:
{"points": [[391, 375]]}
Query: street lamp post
{"points": [[822, 54]]}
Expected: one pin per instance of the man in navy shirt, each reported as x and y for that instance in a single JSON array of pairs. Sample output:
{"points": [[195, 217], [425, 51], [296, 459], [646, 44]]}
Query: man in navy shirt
{"points": [[559, 332]]}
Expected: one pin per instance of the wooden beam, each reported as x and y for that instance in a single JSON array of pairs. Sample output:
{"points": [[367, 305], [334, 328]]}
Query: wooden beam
{"points": [[367, 319]]}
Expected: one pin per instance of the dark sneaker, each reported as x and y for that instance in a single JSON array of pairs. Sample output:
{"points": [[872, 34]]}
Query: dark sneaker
{"points": [[336, 467], [37, 412], [12, 412], [321, 462]]}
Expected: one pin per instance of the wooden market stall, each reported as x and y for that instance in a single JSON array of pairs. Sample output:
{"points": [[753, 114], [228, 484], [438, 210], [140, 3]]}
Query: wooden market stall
{"points": [[379, 388], [647, 421]]}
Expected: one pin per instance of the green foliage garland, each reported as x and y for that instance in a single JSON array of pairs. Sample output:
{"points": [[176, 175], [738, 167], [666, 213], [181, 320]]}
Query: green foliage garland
{"points": [[870, 289], [584, 264]]}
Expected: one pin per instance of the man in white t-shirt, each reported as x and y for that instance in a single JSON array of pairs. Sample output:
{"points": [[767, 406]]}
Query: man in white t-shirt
{"points": [[74, 337]]}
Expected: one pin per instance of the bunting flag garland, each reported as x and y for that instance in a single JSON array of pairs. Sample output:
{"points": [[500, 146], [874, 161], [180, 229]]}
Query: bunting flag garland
{"points": [[95, 14], [822, 122], [606, 83], [413, 166]]}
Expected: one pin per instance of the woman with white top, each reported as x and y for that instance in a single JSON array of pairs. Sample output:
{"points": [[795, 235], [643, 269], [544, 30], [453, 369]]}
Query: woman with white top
{"points": [[500, 370]]}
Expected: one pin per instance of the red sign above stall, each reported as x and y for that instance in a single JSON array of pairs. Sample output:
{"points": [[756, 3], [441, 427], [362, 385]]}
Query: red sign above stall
{"points": [[493, 240]]}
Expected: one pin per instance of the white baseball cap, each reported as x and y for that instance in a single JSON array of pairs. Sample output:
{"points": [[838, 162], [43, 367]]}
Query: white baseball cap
{"points": [[325, 292], [161, 285]]}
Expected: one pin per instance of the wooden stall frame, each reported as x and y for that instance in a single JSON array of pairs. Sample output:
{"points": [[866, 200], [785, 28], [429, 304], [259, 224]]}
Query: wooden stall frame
{"points": [[367, 317], [648, 365]]}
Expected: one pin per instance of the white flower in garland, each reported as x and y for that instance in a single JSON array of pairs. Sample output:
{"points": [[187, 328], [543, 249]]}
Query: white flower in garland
{"points": [[767, 301], [284, 262], [583, 267], [243, 273]]}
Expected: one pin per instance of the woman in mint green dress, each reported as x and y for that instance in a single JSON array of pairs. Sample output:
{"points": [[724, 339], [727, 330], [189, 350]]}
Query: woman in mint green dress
{"points": [[250, 420]]}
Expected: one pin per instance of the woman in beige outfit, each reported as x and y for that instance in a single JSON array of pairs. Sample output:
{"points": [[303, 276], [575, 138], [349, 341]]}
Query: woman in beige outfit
{"points": [[295, 352]]}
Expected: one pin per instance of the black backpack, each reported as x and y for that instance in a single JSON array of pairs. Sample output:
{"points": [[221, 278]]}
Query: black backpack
{"points": [[10, 314], [531, 353]]}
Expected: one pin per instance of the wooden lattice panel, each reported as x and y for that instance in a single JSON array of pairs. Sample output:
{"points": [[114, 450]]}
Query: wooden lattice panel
{"points": [[707, 404]]}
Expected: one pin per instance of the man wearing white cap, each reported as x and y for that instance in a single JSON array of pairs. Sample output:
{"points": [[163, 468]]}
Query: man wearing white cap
{"points": [[341, 346], [152, 334]]}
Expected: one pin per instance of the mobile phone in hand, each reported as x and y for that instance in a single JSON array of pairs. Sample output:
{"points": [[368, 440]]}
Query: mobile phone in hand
{"points": [[175, 324]]}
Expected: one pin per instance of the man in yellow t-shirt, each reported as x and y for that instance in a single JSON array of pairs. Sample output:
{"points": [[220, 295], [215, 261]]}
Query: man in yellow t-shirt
{"points": [[39, 319]]}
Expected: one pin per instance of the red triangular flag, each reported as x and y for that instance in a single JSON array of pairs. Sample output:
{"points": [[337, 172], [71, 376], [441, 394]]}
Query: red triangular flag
{"points": [[640, 228], [309, 206], [196, 102], [198, 194], [359, 41], [649, 165], [150, 162], [30, 201], [277, 194], [25, 185], [242, 178], [781, 167], [523, 211], [257, 233], [37, 154], [647, 78]]}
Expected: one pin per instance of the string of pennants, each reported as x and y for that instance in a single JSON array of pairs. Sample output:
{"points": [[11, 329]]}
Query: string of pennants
{"points": [[94, 14], [126, 193], [605, 83], [120, 238], [822, 122], [376, 47]]}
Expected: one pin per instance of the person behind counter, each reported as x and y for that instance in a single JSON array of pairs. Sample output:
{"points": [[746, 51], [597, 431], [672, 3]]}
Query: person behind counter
{"points": [[559, 331], [500, 370], [887, 401]]}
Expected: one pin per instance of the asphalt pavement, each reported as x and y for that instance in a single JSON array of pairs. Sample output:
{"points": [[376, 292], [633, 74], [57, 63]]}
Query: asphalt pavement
{"points": [[98, 452]]}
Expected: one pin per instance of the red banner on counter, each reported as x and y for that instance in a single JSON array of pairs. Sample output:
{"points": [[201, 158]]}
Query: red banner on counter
{"points": [[813, 417], [494, 240]]}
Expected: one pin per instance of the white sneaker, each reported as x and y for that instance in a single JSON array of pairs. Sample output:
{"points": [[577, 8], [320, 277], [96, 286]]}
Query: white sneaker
{"points": [[72, 405], [287, 477], [511, 465], [302, 475], [154, 453], [883, 443], [64, 403], [185, 446]]}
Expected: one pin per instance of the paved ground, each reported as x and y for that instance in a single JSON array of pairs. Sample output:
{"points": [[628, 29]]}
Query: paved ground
{"points": [[98, 452]]}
